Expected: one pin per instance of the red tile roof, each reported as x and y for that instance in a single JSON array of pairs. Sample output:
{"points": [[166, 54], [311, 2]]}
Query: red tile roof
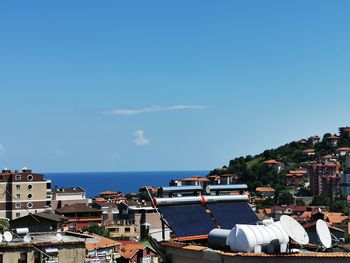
{"points": [[129, 250], [196, 179], [104, 243], [265, 189]]}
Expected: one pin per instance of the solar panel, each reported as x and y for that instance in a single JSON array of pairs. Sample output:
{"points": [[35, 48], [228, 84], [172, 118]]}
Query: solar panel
{"points": [[227, 215], [187, 220]]}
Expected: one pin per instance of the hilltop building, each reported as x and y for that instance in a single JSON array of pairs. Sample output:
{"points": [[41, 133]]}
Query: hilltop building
{"points": [[332, 140], [23, 193], [345, 178], [325, 178], [313, 139], [344, 132]]}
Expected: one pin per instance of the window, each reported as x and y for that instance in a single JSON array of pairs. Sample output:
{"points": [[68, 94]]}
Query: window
{"points": [[18, 196], [18, 215], [30, 187], [1, 258], [30, 177], [18, 187], [30, 196], [23, 258], [127, 229], [18, 177], [37, 257], [18, 205], [30, 205]]}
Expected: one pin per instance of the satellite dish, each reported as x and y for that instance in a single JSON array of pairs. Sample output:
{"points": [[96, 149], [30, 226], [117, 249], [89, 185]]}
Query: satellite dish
{"points": [[207, 189], [59, 237], [323, 233], [27, 238], [8, 236], [294, 230]]}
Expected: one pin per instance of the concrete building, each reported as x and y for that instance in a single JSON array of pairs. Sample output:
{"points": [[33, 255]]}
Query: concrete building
{"points": [[68, 196], [109, 209], [80, 216], [345, 177], [44, 247], [105, 250], [344, 132], [39, 222], [265, 192], [313, 139], [23, 193], [325, 179]]}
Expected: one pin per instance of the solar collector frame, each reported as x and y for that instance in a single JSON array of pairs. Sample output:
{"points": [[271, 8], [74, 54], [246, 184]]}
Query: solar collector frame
{"points": [[187, 219]]}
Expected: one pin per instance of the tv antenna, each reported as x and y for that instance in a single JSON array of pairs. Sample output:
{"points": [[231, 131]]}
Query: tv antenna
{"points": [[294, 230], [8, 236], [324, 234], [27, 238]]}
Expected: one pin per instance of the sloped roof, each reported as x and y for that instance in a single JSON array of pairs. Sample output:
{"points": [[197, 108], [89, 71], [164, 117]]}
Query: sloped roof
{"points": [[265, 189], [335, 218], [77, 208], [104, 242], [129, 250]]}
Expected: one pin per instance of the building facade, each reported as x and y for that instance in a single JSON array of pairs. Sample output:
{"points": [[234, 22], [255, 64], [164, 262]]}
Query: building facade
{"points": [[325, 179], [23, 193], [62, 197]]}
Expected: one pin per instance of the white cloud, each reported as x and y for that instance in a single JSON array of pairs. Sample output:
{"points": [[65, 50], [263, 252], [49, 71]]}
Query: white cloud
{"points": [[2, 149], [140, 139], [154, 109]]}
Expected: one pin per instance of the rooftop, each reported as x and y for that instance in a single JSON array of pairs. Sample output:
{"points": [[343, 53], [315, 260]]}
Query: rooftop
{"points": [[265, 189], [103, 242], [77, 208], [69, 190]]}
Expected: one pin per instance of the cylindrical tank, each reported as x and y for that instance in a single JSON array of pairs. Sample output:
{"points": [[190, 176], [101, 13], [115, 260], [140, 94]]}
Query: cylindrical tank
{"points": [[22, 231], [225, 198], [257, 238], [199, 199], [217, 238], [177, 200]]}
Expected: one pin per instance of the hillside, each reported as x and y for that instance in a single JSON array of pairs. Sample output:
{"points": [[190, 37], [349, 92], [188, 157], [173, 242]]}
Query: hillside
{"points": [[254, 172]]}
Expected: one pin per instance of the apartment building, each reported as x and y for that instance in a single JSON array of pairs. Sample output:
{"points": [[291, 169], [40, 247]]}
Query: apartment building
{"points": [[23, 192], [325, 178]]}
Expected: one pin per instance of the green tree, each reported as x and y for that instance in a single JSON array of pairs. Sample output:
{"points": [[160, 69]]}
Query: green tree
{"points": [[97, 230], [321, 200], [285, 198], [4, 224], [299, 202]]}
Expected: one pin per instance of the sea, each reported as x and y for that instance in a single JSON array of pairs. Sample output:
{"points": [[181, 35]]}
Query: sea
{"points": [[125, 182]]}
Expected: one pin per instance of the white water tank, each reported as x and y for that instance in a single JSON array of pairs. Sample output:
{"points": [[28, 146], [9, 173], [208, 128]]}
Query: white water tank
{"points": [[258, 238]]}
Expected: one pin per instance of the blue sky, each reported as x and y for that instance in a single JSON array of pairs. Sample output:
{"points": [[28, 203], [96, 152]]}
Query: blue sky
{"points": [[160, 85]]}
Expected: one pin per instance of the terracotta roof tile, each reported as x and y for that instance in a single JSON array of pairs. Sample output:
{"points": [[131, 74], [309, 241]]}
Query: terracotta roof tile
{"points": [[104, 242], [265, 189]]}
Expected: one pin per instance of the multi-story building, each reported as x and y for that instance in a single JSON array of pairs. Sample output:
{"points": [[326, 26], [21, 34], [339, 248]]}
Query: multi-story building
{"points": [[80, 216], [325, 179], [345, 178], [23, 193], [62, 197]]}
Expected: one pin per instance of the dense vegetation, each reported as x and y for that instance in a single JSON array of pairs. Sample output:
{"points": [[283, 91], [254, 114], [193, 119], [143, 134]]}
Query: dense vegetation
{"points": [[253, 172]]}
